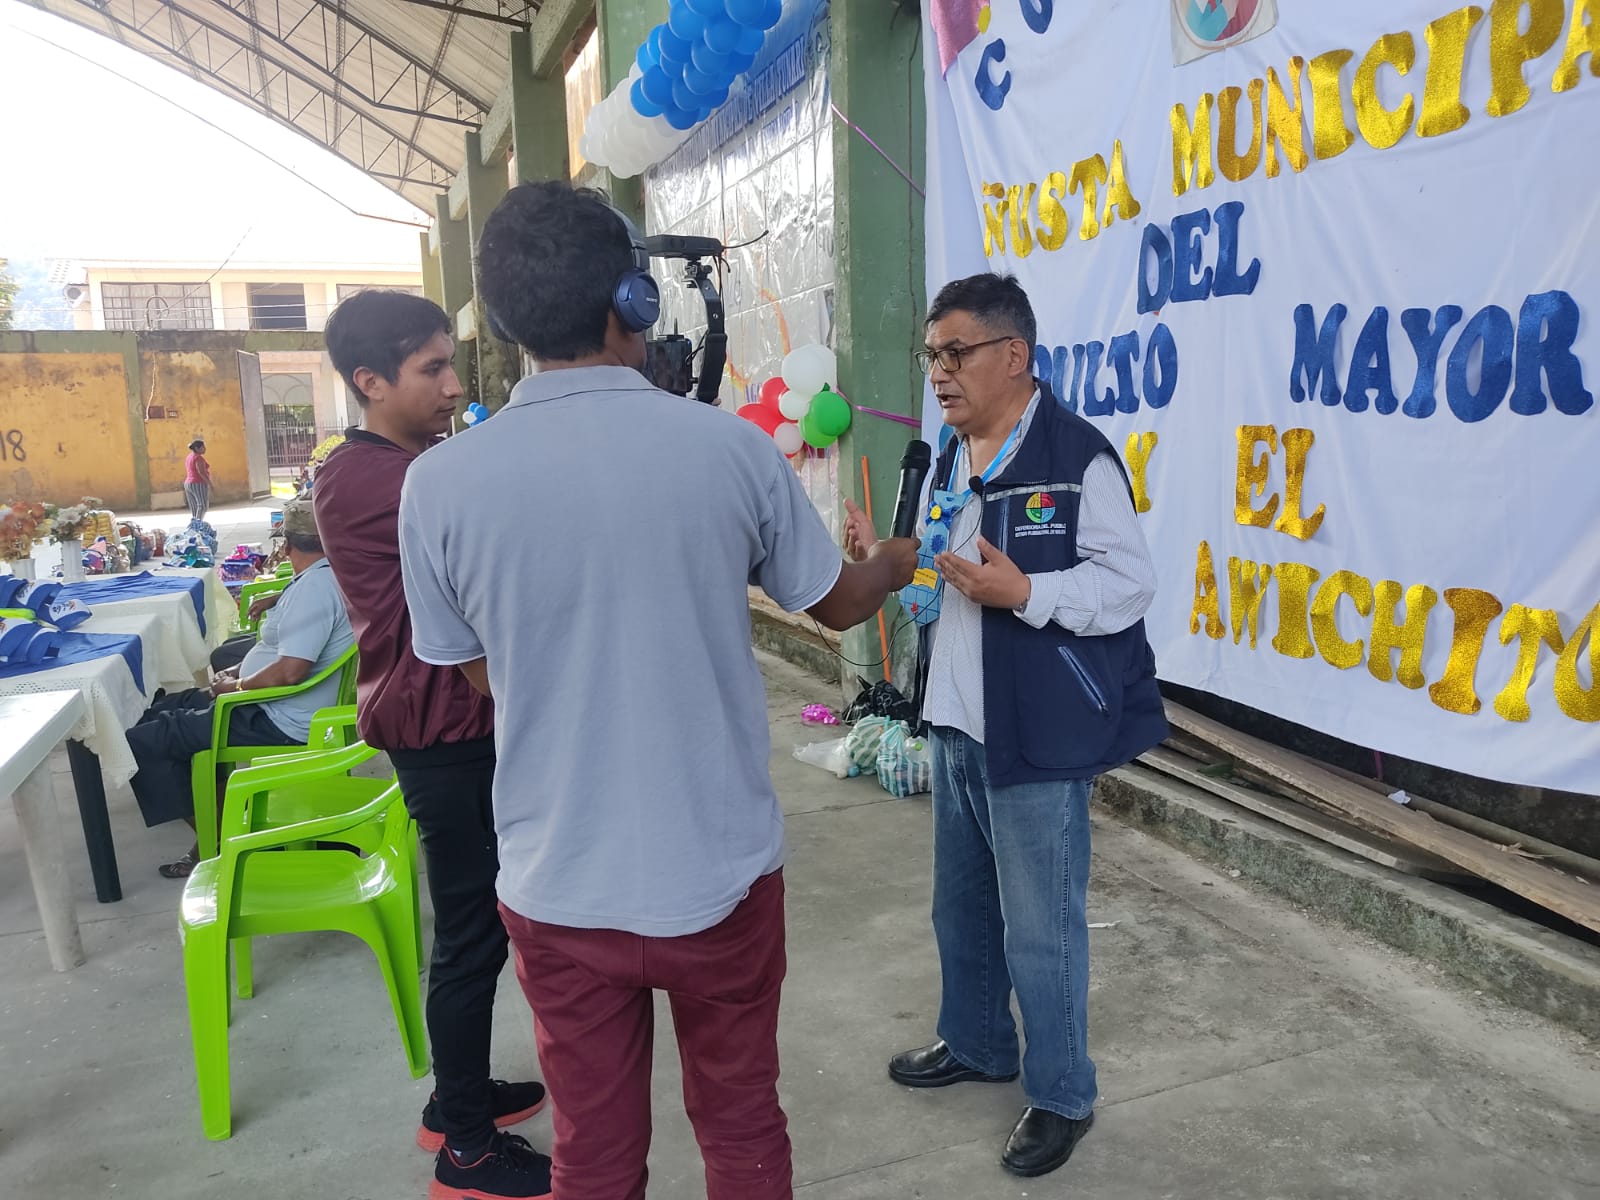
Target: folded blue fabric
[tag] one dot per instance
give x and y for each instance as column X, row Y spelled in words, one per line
column 26, row 647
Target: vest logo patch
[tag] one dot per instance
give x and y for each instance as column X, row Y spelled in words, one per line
column 1041, row 509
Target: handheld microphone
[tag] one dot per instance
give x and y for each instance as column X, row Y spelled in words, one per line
column 913, row 474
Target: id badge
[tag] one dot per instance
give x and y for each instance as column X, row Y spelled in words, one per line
column 921, row 596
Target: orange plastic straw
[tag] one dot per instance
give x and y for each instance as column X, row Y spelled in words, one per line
column 866, row 495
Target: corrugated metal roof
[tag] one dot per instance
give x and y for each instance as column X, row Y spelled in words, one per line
column 388, row 85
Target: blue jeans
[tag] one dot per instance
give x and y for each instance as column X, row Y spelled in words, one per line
column 1010, row 877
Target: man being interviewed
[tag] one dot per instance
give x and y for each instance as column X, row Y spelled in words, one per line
column 395, row 353
column 586, row 556
column 1039, row 679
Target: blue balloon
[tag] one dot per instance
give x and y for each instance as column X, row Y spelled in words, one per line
column 672, row 48
column 706, row 8
column 722, row 36
column 653, row 40
column 715, row 100
column 703, row 85
column 684, row 98
column 738, row 64
column 772, row 15
column 642, row 104
column 747, row 12
column 751, row 41
column 708, row 60
column 679, row 119
column 685, row 22
column 656, row 87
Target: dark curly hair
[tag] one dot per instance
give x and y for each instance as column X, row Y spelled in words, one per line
column 548, row 265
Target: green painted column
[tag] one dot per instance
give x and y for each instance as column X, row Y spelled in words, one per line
column 879, row 299
column 453, row 249
column 623, row 25
column 499, row 365
column 538, row 116
column 432, row 279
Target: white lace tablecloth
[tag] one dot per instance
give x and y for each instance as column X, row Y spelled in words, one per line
column 168, row 655
column 112, row 705
column 180, row 649
column 221, row 608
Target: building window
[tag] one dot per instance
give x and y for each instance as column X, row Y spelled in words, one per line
column 277, row 305
column 140, row 306
column 346, row 290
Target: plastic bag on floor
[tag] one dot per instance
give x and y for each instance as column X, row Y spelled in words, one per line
column 830, row 756
column 863, row 741
column 905, row 763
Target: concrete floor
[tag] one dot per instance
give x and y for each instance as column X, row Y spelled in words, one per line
column 1245, row 1051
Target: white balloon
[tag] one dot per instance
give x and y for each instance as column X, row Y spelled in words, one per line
column 807, row 368
column 795, row 405
column 788, row 438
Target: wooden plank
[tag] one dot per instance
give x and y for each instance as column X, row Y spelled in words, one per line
column 1297, row 817
column 1564, row 894
column 1575, row 861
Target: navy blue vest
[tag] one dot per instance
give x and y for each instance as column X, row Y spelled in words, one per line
column 1056, row 705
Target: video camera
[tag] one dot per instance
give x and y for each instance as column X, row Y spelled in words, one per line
column 669, row 362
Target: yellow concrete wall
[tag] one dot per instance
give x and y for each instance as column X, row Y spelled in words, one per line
column 69, row 414
column 198, row 393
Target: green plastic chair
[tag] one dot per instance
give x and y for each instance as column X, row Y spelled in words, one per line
column 244, row 893
column 308, row 800
column 203, row 767
column 262, row 586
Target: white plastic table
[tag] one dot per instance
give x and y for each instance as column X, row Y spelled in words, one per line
column 31, row 727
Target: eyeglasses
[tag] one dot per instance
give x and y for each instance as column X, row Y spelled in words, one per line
column 949, row 359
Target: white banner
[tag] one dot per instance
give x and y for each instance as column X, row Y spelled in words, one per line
column 1333, row 291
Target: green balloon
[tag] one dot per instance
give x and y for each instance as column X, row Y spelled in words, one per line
column 830, row 411
column 813, row 435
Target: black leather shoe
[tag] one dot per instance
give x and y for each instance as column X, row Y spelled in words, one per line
column 934, row 1066
column 1042, row 1141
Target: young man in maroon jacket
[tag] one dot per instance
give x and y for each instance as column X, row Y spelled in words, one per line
column 395, row 353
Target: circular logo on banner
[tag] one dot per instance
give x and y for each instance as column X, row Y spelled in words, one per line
column 1215, row 22
column 1040, row 508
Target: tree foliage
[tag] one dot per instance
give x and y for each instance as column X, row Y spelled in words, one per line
column 8, row 294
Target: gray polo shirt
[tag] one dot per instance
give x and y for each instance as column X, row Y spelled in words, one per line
column 308, row 621
column 594, row 541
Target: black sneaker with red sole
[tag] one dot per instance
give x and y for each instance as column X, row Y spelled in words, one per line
column 513, row 1104
column 510, row 1169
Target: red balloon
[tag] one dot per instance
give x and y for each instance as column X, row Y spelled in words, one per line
column 766, row 419
column 771, row 392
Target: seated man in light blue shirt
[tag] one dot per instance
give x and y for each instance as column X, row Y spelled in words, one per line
column 301, row 636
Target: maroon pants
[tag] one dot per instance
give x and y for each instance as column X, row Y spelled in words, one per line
column 590, row 990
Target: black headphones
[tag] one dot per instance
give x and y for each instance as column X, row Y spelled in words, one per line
column 637, row 297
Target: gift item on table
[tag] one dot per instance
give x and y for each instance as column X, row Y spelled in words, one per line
column 193, row 546
column 143, row 543
column 244, row 564
column 46, row 604
column 114, row 558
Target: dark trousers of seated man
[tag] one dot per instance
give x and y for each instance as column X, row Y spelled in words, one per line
column 172, row 731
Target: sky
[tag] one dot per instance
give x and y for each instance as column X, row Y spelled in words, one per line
column 94, row 167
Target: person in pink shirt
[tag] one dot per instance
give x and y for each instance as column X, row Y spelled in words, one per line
column 197, row 480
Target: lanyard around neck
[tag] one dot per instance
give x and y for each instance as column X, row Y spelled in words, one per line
column 966, row 494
